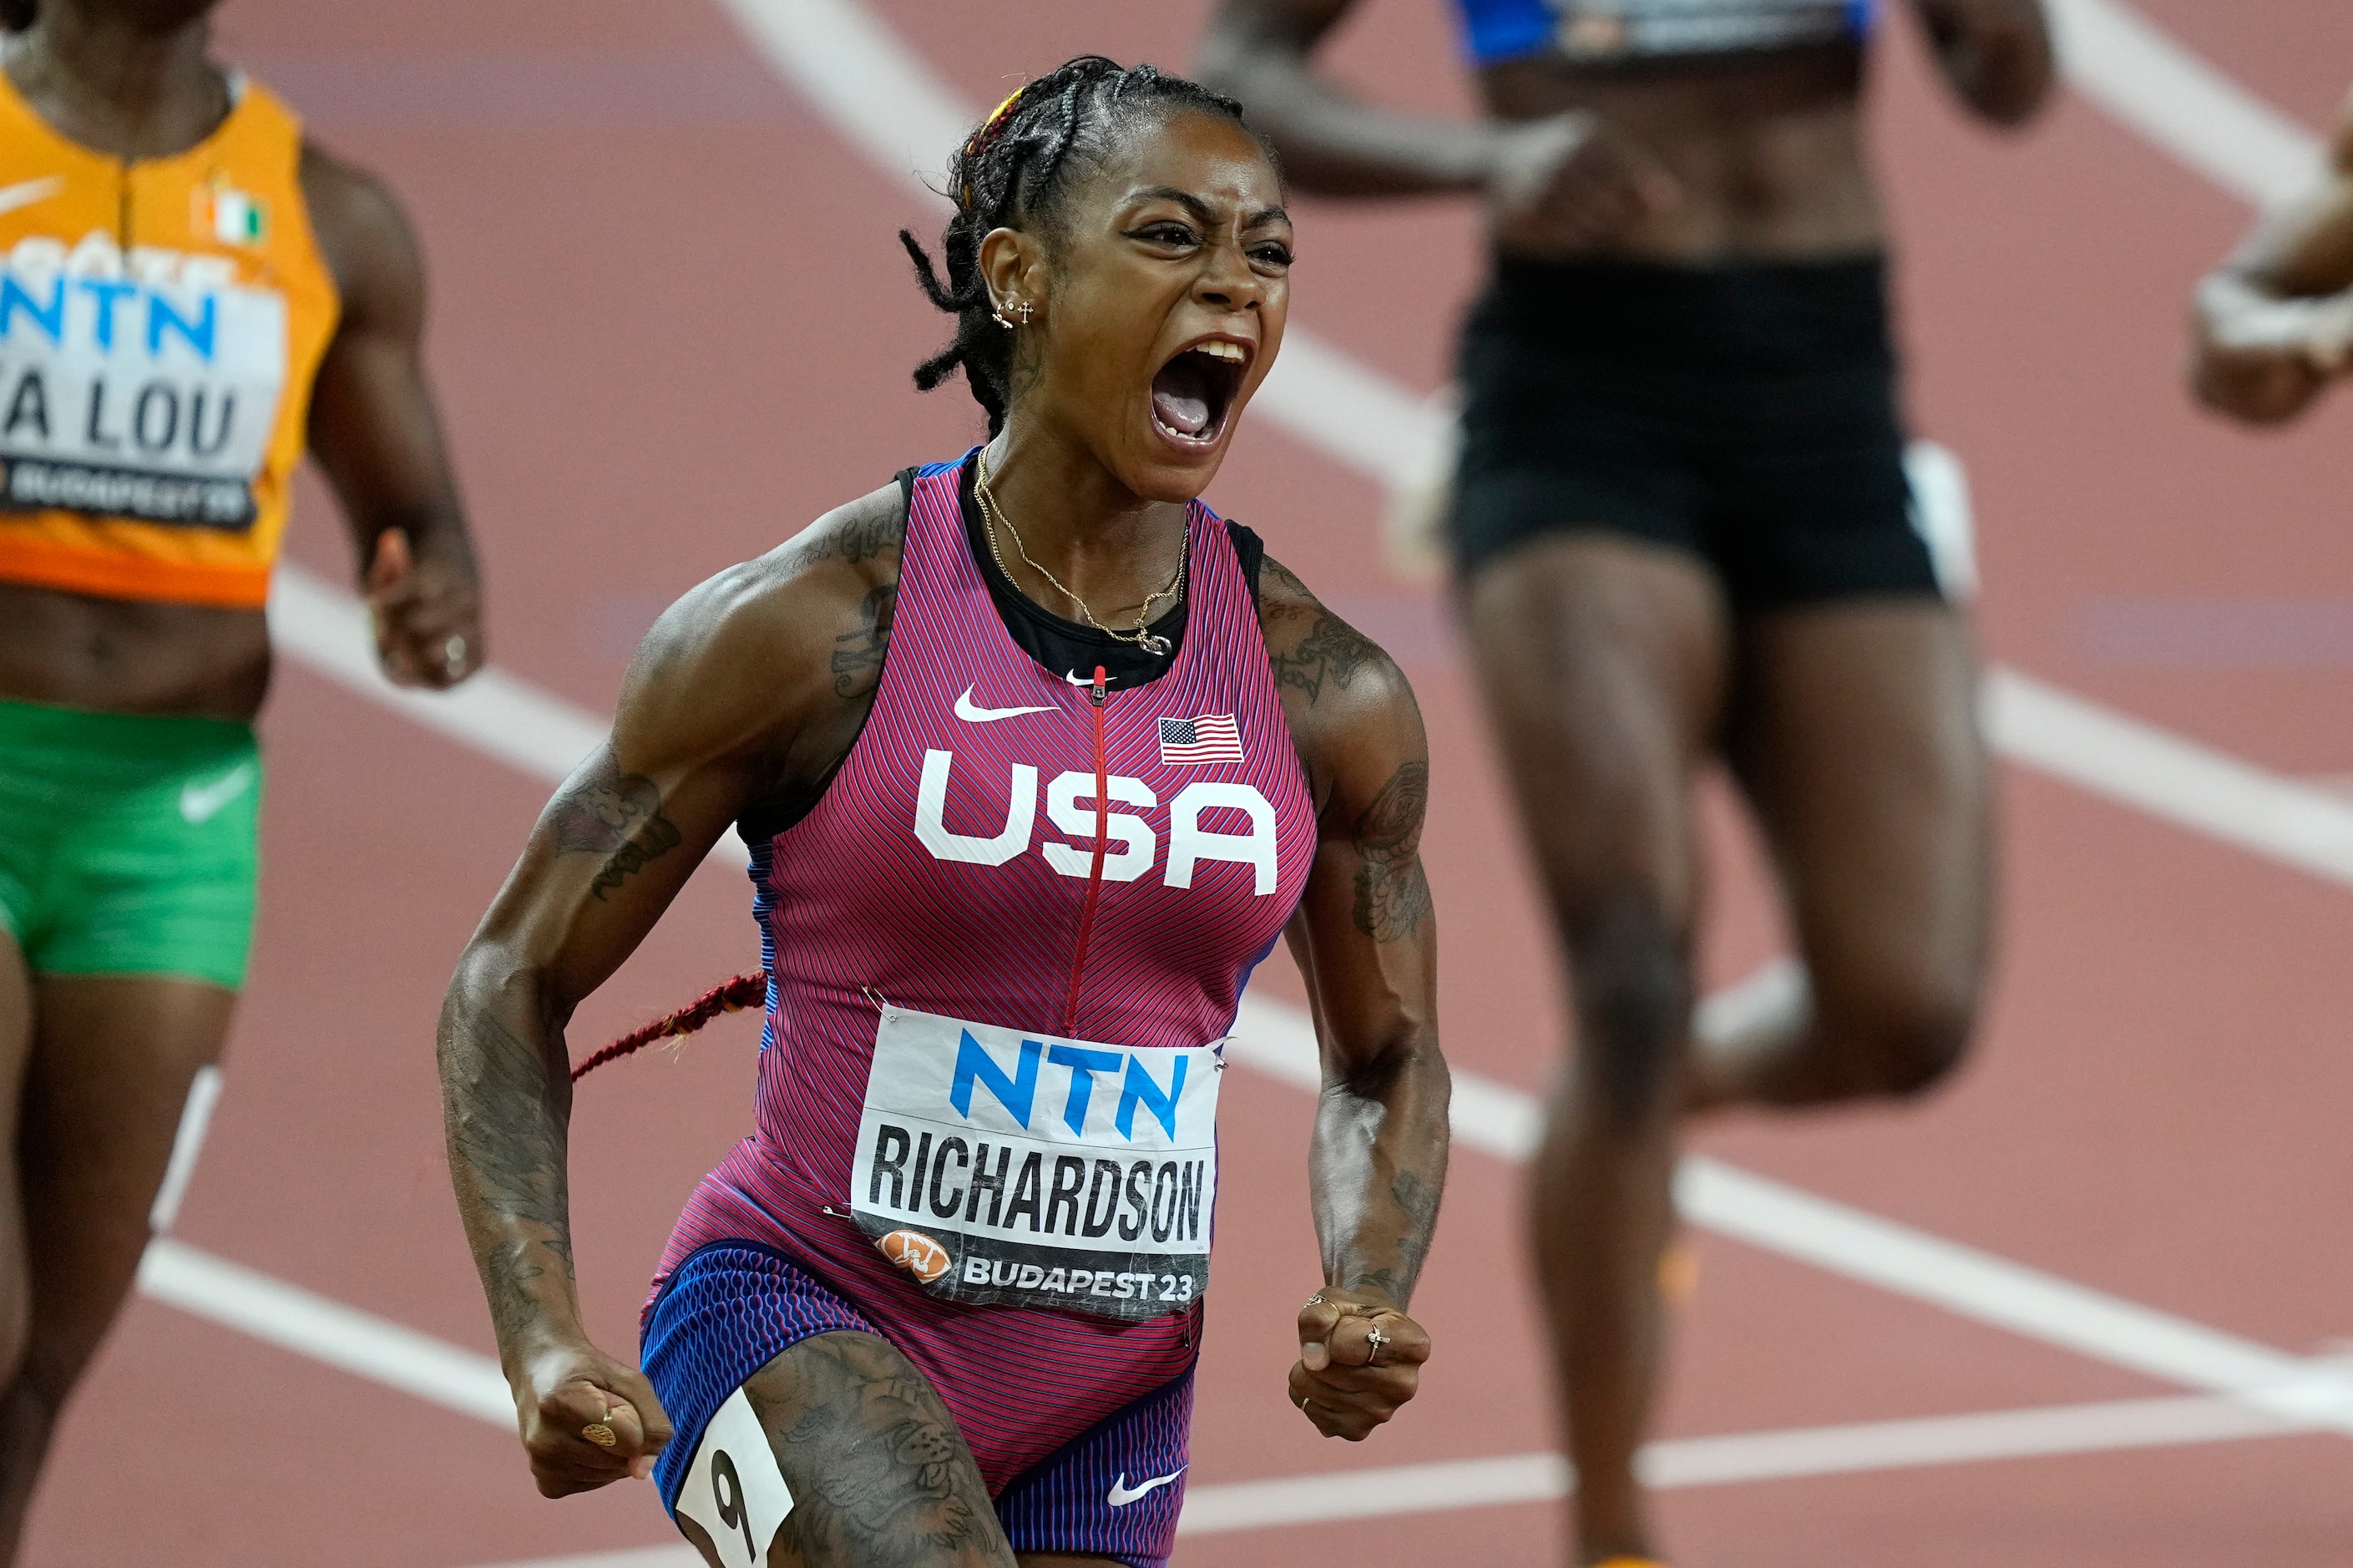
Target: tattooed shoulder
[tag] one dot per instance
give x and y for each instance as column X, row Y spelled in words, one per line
column 872, row 527
column 1308, row 647
column 616, row 815
column 858, row 653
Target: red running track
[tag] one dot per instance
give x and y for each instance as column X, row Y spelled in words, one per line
column 672, row 325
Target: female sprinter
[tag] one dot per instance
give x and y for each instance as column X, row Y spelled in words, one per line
column 1681, row 531
column 1038, row 757
column 187, row 290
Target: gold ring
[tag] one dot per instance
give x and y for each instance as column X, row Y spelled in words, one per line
column 596, row 1432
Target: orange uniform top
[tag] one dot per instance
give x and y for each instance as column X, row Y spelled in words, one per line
column 161, row 320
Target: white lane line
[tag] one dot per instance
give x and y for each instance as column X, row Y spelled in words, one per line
column 533, row 732
column 1858, row 1448
column 188, row 1145
column 2194, row 786
column 642, row 1557
column 310, row 1324
column 2118, row 59
column 1280, row 1042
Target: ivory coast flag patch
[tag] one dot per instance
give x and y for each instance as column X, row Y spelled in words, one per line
column 229, row 214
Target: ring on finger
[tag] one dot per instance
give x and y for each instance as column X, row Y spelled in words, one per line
column 1375, row 1340
column 599, row 1433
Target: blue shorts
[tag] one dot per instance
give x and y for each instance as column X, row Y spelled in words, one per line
column 731, row 1308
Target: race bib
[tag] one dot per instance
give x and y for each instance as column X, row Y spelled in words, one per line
column 145, row 386
column 999, row 1166
column 734, row 1489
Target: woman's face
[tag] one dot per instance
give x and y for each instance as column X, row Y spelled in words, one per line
column 1161, row 303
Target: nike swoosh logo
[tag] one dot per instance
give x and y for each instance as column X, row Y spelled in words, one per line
column 201, row 803
column 25, row 192
column 970, row 714
column 1121, row 1495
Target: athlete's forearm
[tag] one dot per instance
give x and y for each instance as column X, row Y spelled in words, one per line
column 506, row 1096
column 1332, row 143
column 1378, row 1165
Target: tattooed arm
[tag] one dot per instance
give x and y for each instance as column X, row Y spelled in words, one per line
column 1367, row 941
column 750, row 687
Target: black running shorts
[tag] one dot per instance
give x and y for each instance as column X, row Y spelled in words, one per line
column 1745, row 414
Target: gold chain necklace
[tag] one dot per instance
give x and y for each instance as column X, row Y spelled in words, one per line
column 994, row 516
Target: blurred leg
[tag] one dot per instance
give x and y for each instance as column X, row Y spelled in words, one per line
column 15, row 1045
column 109, row 1072
column 1603, row 665
column 1854, row 733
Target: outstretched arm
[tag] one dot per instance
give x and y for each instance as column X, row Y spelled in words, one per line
column 2275, row 323
column 752, row 683
column 1996, row 54
column 1332, row 143
column 1552, row 184
column 1367, row 941
column 376, row 434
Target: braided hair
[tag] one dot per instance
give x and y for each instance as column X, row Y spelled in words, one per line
column 1014, row 171
column 734, row 995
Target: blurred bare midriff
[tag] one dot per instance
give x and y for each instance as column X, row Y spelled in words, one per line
column 131, row 656
column 1767, row 149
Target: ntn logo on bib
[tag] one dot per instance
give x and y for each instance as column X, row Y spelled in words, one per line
column 152, row 397
column 1052, row 1172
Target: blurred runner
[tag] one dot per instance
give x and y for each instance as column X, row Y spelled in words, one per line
column 190, row 289
column 2275, row 324
column 1038, row 758
column 1681, row 531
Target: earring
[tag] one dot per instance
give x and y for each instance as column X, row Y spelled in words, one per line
column 1025, row 312
column 996, row 312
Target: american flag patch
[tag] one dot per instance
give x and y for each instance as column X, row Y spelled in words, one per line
column 1190, row 742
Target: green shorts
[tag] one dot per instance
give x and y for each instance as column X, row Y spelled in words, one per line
column 129, row 845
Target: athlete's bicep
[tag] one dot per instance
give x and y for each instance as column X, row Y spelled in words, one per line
column 1364, row 934
column 610, row 852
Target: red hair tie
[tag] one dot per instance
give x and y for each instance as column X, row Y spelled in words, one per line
column 743, row 991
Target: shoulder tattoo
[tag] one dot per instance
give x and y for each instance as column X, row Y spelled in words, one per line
column 858, row 653
column 878, row 533
column 1332, row 650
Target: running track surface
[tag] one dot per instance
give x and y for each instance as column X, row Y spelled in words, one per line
column 672, row 325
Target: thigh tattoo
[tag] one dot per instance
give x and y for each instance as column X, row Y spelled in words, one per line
column 880, row 1474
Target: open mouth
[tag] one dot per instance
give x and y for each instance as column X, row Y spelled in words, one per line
column 1195, row 391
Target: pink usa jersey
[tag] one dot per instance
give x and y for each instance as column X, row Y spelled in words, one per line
column 1003, row 950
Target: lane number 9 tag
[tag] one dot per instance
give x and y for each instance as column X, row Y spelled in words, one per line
column 734, row 1489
